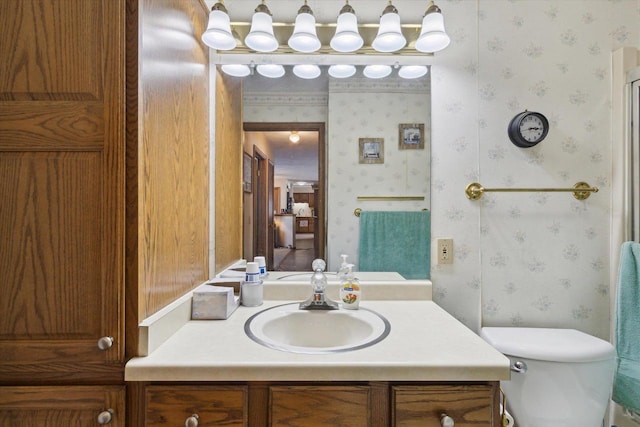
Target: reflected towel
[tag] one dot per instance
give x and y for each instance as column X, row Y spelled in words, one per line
column 626, row 385
column 395, row 241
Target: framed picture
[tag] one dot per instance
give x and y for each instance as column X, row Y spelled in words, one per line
column 371, row 150
column 246, row 172
column 411, row 136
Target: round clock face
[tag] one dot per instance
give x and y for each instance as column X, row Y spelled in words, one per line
column 528, row 129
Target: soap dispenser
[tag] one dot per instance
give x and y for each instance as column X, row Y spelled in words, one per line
column 344, row 269
column 350, row 290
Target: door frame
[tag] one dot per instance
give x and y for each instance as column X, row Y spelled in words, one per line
column 321, row 209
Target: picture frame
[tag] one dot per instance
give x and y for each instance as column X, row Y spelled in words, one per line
column 411, row 136
column 371, row 150
column 247, row 172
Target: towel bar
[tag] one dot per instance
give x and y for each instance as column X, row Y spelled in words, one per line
column 358, row 211
column 581, row 190
column 389, row 198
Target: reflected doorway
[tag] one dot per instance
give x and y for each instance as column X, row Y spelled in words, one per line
column 298, row 199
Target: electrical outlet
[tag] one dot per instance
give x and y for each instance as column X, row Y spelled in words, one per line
column 445, row 251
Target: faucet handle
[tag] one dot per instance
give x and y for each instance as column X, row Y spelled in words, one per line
column 318, row 264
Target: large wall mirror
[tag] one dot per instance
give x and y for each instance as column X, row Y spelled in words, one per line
column 374, row 135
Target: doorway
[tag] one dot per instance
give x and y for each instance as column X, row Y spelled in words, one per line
column 307, row 226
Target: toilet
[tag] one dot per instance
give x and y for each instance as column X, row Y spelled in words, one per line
column 559, row 378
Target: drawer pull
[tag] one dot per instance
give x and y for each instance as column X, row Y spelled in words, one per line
column 105, row 343
column 192, row 421
column 105, row 417
column 446, row 421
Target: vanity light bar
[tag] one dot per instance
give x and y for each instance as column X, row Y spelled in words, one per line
column 301, row 59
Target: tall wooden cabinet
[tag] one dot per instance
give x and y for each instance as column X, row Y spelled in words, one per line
column 103, row 194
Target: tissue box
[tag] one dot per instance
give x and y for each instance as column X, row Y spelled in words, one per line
column 215, row 299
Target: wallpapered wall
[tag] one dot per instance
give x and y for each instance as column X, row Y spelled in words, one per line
column 535, row 259
column 365, row 108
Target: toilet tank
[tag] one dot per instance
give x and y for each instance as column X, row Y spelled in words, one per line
column 568, row 378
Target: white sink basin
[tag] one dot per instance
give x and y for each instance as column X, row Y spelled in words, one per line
column 287, row 328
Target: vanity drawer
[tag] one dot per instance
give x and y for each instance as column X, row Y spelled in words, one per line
column 211, row 405
column 309, row 406
column 422, row 406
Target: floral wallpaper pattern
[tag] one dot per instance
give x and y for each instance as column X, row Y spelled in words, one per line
column 531, row 259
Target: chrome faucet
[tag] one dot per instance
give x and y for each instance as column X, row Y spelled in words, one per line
column 318, row 300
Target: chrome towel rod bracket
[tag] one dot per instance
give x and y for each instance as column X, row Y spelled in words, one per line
column 581, row 190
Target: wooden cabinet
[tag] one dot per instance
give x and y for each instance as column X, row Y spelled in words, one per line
column 318, row 404
column 95, row 150
column 62, row 177
column 422, row 406
column 77, row 406
column 305, row 224
column 305, row 198
column 209, row 405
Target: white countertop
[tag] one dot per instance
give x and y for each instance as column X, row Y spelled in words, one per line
column 425, row 344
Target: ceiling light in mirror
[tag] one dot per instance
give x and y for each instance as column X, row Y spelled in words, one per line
column 390, row 37
column 347, row 37
column 294, row 137
column 304, row 38
column 236, row 70
column 340, row 71
column 412, row 71
column 273, row 71
column 260, row 37
column 218, row 35
column 306, row 71
column 376, row 71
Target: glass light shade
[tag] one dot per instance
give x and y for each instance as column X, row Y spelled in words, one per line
column 218, row 35
column 273, row 71
column 304, row 38
column 412, row 71
column 433, row 37
column 306, row 71
column 390, row 37
column 347, row 38
column 294, row 137
column 236, row 70
column 260, row 37
column 341, row 71
column 376, row 71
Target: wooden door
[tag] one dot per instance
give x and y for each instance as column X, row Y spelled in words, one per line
column 62, row 90
column 270, row 216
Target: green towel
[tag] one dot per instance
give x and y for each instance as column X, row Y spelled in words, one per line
column 395, row 241
column 626, row 385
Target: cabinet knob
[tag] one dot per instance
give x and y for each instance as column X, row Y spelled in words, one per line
column 192, row 421
column 105, row 417
column 446, row 421
column 105, row 343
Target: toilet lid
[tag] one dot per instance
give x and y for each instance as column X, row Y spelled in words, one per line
column 553, row 345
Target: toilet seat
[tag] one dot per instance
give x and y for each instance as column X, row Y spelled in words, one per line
column 548, row 344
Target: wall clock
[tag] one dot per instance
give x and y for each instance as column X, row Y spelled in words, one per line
column 528, row 129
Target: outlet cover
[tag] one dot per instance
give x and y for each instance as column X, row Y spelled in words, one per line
column 445, row 251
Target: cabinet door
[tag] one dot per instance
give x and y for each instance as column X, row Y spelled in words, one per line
column 57, row 406
column 422, row 406
column 321, row 406
column 62, row 174
column 210, row 405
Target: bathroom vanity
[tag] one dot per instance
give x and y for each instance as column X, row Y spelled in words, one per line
column 212, row 373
